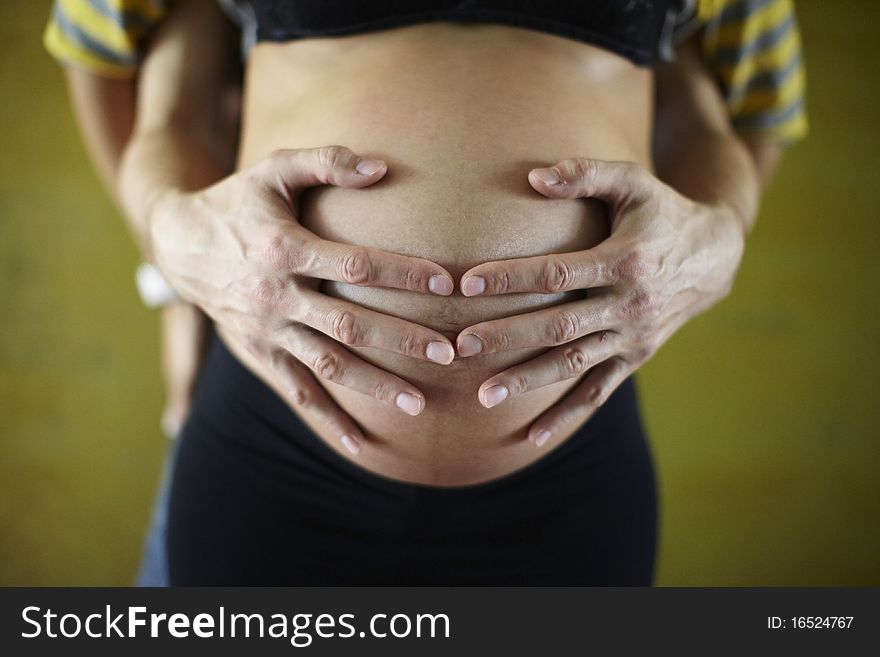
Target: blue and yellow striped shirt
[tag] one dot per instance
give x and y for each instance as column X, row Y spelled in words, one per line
column 102, row 36
column 752, row 48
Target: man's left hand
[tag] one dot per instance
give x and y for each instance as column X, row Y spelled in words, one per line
column 667, row 259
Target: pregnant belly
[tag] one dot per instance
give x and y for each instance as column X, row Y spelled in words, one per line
column 457, row 193
column 434, row 215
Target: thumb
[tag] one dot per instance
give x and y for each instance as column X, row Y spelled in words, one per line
column 298, row 169
column 612, row 182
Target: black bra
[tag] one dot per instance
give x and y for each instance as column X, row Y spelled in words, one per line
column 633, row 29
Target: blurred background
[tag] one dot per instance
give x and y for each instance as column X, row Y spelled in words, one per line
column 763, row 413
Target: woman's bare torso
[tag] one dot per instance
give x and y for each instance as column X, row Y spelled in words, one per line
column 460, row 113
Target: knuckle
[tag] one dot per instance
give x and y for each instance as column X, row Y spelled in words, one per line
column 497, row 340
column 556, row 275
column 277, row 254
column 328, row 366
column 564, row 327
column 642, row 306
column 409, row 344
column 595, row 395
column 356, row 267
column 564, row 418
column 583, row 169
column 334, row 156
column 635, row 266
column 575, row 362
column 264, row 294
column 383, row 391
column 518, row 383
column 497, row 281
column 300, row 397
column 344, row 327
column 412, row 279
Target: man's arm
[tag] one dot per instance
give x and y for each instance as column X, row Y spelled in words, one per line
column 231, row 242
column 676, row 243
column 766, row 153
column 179, row 139
column 696, row 149
column 752, row 51
column 104, row 110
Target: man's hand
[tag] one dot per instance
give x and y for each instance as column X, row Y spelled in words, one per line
column 668, row 258
column 237, row 251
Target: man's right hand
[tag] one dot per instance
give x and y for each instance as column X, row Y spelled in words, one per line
column 237, row 250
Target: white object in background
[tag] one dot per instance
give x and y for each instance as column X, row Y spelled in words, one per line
column 152, row 286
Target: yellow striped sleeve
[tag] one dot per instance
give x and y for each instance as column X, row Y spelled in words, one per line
column 102, row 36
column 753, row 48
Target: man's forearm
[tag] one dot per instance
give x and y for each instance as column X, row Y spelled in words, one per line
column 104, row 111
column 696, row 150
column 766, row 153
column 161, row 158
column 717, row 170
column 181, row 140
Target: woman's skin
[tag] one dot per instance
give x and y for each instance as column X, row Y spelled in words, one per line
column 459, row 145
column 459, row 141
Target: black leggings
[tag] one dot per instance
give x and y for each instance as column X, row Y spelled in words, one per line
column 258, row 499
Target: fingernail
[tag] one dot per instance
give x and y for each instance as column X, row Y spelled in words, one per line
column 469, row 344
column 440, row 352
column 542, row 438
column 368, row 167
column 408, row 403
column 440, row 284
column 495, row 395
column 351, row 443
column 547, row 176
column 473, row 286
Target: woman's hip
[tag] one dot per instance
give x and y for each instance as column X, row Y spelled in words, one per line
column 257, row 498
